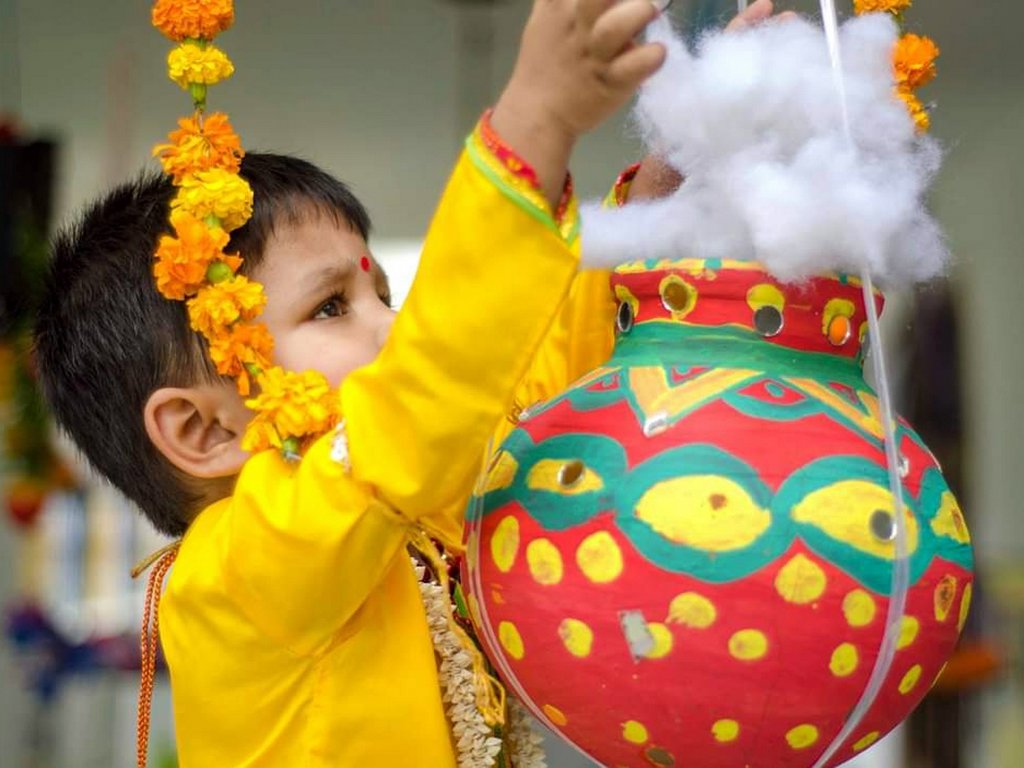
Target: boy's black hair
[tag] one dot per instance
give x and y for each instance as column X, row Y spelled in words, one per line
column 106, row 339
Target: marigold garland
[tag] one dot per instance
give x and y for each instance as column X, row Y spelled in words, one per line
column 197, row 64
column 198, row 19
column 289, row 407
column 203, row 158
column 183, row 259
column 881, row 6
column 913, row 59
column 221, row 194
column 201, row 145
column 242, row 352
column 219, row 306
column 917, row 109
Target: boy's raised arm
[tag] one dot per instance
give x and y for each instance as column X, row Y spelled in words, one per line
column 495, row 268
column 494, row 275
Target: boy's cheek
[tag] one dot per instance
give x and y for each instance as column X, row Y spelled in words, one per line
column 334, row 358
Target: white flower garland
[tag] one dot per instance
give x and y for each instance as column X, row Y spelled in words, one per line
column 475, row 742
column 524, row 742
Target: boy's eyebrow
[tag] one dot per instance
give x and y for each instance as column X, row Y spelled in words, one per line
column 328, row 277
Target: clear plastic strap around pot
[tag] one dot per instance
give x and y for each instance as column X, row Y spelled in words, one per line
column 900, row 568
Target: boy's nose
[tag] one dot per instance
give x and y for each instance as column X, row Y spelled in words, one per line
column 384, row 328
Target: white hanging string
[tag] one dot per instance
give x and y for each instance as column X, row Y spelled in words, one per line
column 900, row 566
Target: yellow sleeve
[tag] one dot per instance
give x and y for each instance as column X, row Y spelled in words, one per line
column 309, row 542
column 494, row 271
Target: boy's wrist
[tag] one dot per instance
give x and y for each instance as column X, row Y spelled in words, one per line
column 505, row 153
column 514, row 173
column 537, row 134
column 528, row 103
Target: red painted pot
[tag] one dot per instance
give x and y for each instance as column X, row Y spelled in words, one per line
column 686, row 558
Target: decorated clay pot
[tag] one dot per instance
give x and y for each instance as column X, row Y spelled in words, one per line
column 686, row 559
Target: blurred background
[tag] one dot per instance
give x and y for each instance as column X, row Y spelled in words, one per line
column 381, row 93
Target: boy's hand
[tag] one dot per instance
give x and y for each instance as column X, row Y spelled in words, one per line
column 578, row 63
column 756, row 12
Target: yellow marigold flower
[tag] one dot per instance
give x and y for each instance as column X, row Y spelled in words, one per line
column 224, row 195
column 181, row 19
column 881, row 6
column 243, row 344
column 917, row 110
column 259, row 436
column 217, row 307
column 914, row 61
column 294, row 404
column 190, row 64
column 201, row 144
column 182, row 259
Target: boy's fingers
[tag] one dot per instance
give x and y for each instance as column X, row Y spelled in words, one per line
column 589, row 11
column 617, row 27
column 636, row 65
column 757, row 12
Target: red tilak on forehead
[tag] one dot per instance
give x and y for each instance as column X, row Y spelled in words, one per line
column 364, row 264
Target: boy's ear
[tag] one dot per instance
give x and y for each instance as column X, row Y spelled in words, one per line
column 199, row 429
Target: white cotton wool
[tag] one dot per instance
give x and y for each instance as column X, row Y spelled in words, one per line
column 754, row 121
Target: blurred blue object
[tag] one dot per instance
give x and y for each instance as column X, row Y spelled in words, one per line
column 49, row 658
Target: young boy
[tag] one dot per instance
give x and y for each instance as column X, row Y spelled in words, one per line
column 292, row 622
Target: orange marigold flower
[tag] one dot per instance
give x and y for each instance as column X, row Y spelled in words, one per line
column 182, row 259
column 917, row 110
column 881, row 6
column 216, row 192
column 182, row 19
column 293, row 404
column 201, row 144
column 217, row 307
column 191, row 64
column 914, row 61
column 243, row 344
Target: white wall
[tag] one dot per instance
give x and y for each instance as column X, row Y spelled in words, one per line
column 366, row 89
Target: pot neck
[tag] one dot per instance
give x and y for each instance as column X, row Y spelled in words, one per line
column 724, row 309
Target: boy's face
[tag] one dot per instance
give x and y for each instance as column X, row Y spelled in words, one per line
column 327, row 299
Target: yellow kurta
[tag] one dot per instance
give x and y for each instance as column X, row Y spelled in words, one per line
column 292, row 621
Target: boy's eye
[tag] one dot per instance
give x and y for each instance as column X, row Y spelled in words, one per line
column 333, row 307
column 385, row 297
